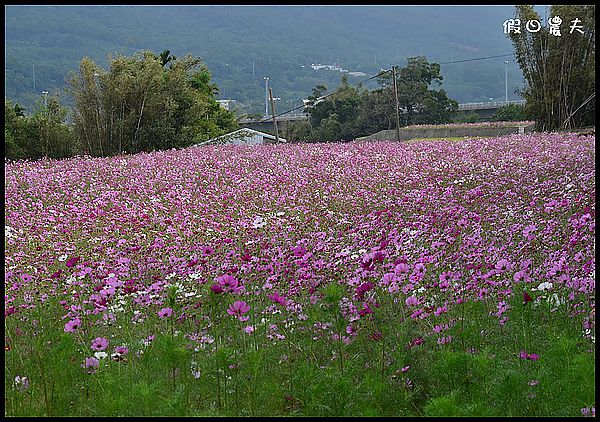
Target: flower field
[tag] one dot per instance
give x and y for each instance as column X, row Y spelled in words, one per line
column 368, row 278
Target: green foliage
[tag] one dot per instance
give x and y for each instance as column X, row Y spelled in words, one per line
column 350, row 112
column 510, row 113
column 232, row 43
column 44, row 134
column 140, row 104
column 559, row 71
column 466, row 118
column 478, row 374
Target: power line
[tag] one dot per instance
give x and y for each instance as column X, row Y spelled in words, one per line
column 382, row 72
column 479, row 58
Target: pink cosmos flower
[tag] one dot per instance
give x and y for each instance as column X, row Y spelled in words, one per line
column 388, row 278
column 502, row 265
column 72, row 325
column 277, row 298
column 531, row 356
column 363, row 288
column 99, row 344
column 238, row 309
column 90, row 365
column 72, row 261
column 401, row 268
column 229, row 283
column 446, row 277
column 165, row 312
column 121, row 350
column 586, row 411
column 216, row 289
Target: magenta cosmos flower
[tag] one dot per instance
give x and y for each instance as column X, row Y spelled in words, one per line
column 90, row 365
column 121, row 350
column 99, row 344
column 72, row 325
column 238, row 309
column 165, row 312
column 229, row 283
column 530, row 356
column 277, row 298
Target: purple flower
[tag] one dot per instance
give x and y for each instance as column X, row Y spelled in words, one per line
column 99, row 344
column 216, row 289
column 502, row 265
column 363, row 288
column 72, row 325
column 72, row 261
column 165, row 312
column 530, row 356
column 277, row 298
column 121, row 350
column 229, row 283
column 90, row 365
column 238, row 309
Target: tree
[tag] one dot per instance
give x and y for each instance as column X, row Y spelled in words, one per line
column 350, row 112
column 559, row 71
column 44, row 134
column 419, row 103
column 510, row 113
column 139, row 104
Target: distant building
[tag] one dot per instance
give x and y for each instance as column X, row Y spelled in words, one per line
column 244, row 136
column 227, row 104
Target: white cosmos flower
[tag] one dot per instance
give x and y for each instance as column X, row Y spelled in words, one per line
column 258, row 222
column 544, row 286
column 100, row 355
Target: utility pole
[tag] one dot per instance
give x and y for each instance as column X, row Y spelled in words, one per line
column 506, row 81
column 397, row 103
column 274, row 119
column 45, row 93
column 266, row 78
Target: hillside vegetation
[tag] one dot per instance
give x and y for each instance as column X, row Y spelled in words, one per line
column 242, row 44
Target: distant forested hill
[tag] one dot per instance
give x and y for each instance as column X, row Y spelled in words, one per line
column 242, row 44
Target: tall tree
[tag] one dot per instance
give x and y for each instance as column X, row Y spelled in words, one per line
column 43, row 134
column 418, row 102
column 559, row 70
column 141, row 105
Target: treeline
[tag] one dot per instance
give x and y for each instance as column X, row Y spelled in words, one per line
column 43, row 134
column 559, row 71
column 142, row 103
column 353, row 111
